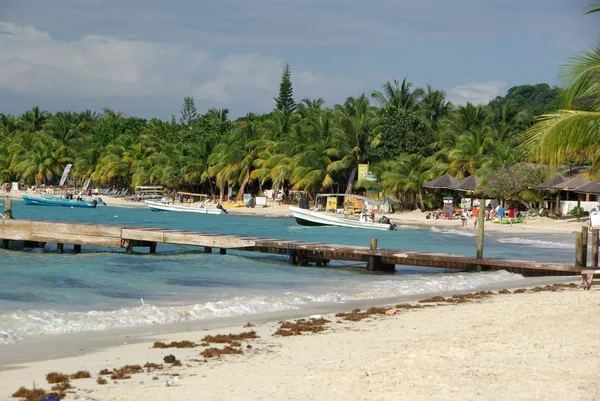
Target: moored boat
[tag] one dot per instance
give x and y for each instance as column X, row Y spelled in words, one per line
column 201, row 208
column 332, row 215
column 49, row 200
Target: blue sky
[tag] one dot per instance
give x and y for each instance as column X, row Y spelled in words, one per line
column 143, row 56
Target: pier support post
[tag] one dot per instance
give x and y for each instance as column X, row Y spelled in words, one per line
column 60, row 248
column 76, row 248
column 8, row 208
column 584, row 244
column 578, row 246
column 595, row 244
column 5, row 244
column 373, row 244
column 129, row 247
column 207, row 249
column 153, row 247
column 480, row 228
column 223, row 251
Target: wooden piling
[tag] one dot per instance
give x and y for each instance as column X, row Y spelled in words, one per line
column 207, row 249
column 595, row 244
column 8, row 208
column 60, row 248
column 5, row 244
column 76, row 248
column 223, row 251
column 584, row 245
column 480, row 228
column 152, row 248
column 373, row 244
column 578, row 246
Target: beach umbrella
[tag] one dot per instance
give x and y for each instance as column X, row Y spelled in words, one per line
column 468, row 184
column 444, row 182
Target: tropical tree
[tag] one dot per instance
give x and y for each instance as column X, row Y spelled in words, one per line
column 570, row 133
column 398, row 95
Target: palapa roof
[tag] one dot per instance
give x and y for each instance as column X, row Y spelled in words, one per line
column 444, row 182
column 572, row 183
column 468, row 184
column 550, row 183
column 589, row 188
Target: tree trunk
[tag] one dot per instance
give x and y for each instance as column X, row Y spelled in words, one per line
column 240, row 194
column 421, row 200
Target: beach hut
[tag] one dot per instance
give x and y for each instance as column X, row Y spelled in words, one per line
column 547, row 186
column 570, row 185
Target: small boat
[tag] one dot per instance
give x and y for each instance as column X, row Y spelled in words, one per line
column 331, row 215
column 186, row 204
column 193, row 208
column 49, row 200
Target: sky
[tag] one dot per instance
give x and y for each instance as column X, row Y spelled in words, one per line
column 143, row 57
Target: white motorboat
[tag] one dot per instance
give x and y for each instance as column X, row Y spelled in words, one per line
column 192, row 208
column 332, row 216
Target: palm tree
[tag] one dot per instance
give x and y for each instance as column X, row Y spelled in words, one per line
column 406, row 173
column 33, row 120
column 398, row 95
column 570, row 133
column 470, row 151
column 435, row 107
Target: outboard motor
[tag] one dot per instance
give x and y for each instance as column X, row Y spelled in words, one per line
column 303, row 203
column 219, row 206
column 94, row 202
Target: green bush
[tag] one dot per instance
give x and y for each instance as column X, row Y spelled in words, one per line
column 574, row 212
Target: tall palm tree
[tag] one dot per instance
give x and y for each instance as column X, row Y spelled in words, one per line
column 33, row 120
column 398, row 95
column 570, row 133
column 435, row 107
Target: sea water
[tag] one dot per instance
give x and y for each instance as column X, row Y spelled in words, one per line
column 43, row 293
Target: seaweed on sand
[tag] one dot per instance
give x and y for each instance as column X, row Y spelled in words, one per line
column 55, row 377
column 125, row 372
column 215, row 352
column 356, row 315
column 230, row 338
column 30, row 395
column 175, row 344
column 300, row 326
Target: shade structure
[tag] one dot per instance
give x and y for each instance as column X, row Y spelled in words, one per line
column 444, row 182
column 468, row 184
column 589, row 188
column 550, row 183
column 571, row 184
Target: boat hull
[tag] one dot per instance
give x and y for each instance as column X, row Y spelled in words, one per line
column 163, row 207
column 306, row 217
column 55, row 201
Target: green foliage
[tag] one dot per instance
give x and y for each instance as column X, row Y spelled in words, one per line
column 401, row 132
column 533, row 99
column 578, row 211
column 188, row 111
column 510, row 182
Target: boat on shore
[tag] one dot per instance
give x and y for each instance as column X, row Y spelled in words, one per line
column 49, row 200
column 344, row 217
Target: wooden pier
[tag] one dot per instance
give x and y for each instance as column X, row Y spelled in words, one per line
column 38, row 233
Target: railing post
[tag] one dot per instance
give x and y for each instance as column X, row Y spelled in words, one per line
column 8, row 208
column 480, row 228
column 584, row 244
column 373, row 244
column 595, row 244
column 578, row 245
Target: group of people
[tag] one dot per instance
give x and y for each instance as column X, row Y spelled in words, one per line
column 490, row 214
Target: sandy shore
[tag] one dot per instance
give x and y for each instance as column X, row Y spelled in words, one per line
column 412, row 218
column 531, row 346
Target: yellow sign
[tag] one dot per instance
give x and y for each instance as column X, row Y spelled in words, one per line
column 331, row 203
column 363, row 171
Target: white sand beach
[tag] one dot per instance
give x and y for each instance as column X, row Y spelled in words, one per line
column 531, row 346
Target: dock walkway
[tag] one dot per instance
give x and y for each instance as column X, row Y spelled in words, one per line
column 38, row 233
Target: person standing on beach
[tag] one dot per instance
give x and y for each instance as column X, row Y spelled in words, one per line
column 511, row 215
column 500, row 213
column 463, row 219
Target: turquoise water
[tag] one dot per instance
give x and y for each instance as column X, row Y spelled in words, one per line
column 44, row 293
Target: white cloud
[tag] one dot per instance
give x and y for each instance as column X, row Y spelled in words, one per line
column 33, row 62
column 476, row 92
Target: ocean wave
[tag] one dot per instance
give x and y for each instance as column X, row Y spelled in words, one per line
column 19, row 325
column 536, row 243
column 453, row 232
